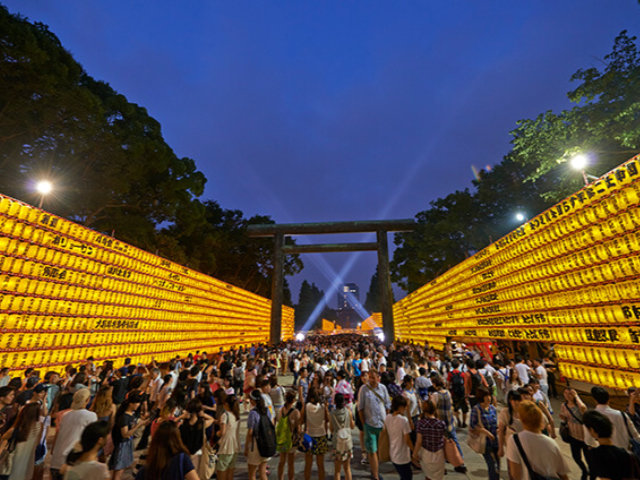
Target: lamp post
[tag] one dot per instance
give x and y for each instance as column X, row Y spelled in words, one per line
column 580, row 162
column 43, row 187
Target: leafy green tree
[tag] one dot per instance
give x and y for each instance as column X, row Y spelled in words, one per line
column 309, row 298
column 604, row 124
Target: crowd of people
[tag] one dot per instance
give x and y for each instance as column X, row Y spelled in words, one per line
column 405, row 402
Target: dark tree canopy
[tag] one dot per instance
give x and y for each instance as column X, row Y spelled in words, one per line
column 110, row 165
column 372, row 301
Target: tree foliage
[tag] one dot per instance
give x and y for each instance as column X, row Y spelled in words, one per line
column 110, row 165
column 372, row 300
column 308, row 300
column 604, row 124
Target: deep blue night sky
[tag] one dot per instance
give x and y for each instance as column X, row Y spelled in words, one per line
column 337, row 110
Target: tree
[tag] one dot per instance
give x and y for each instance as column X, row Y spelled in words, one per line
column 372, row 301
column 308, row 300
column 605, row 123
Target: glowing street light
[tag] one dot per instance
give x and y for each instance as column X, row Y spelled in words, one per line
column 580, row 162
column 300, row 337
column 43, row 187
column 520, row 217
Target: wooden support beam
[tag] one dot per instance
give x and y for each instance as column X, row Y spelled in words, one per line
column 277, row 290
column 330, row 247
column 386, row 294
column 269, row 230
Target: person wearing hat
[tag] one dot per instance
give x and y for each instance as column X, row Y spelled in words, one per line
column 70, row 430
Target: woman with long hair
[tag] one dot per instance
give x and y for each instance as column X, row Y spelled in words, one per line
column 23, row 437
column 167, row 457
column 315, row 419
column 193, row 427
column 287, row 455
column 124, row 428
column 513, row 382
column 103, row 405
column 228, row 445
column 254, row 459
column 84, row 463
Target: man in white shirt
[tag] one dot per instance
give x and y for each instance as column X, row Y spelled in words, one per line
column 622, row 425
column 366, row 363
column 70, row 430
column 155, row 384
column 523, row 370
column 542, row 375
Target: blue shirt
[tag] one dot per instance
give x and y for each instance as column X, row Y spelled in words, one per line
column 374, row 403
column 356, row 367
column 489, row 421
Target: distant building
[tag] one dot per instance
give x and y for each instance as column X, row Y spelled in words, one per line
column 347, row 290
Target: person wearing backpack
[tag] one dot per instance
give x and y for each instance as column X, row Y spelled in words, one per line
column 260, row 443
column 315, row 418
column 458, row 396
column 473, row 380
column 341, row 425
column 287, row 434
column 532, row 455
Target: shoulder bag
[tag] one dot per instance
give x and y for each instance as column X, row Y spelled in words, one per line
column 478, row 441
column 532, row 474
column 634, row 445
column 207, row 466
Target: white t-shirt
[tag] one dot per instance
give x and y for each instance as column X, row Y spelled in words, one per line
column 88, row 471
column 69, row 432
column 542, row 375
column 397, row 427
column 364, row 365
column 523, row 372
column 542, row 452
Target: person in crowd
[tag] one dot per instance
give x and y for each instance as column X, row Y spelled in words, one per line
column 193, row 429
column 359, row 383
column 276, row 392
column 530, row 449
column 126, row 424
column 84, row 464
column 228, row 445
column 524, row 371
column 514, row 382
column 8, row 408
column 4, row 377
column 315, row 420
column 429, row 446
column 399, row 430
column 551, row 369
column 473, row 381
column 303, row 384
column 341, row 425
column 608, row 461
column 458, row 395
column 255, row 461
column 444, row 411
column 373, row 403
column 344, row 387
column 167, row 457
column 508, row 422
column 166, row 414
column 571, row 413
column 484, row 421
column 623, row 428
column 422, row 383
column 400, row 371
column 23, row 438
column 412, row 412
column 103, row 405
column 287, row 442
column 328, row 390
column 633, row 410
column 70, row 429
column 250, row 374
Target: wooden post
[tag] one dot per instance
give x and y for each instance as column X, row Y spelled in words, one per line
column 386, row 295
column 277, row 283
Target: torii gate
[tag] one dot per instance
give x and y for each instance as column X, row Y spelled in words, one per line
column 380, row 227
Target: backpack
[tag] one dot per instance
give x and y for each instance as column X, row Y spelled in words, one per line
column 476, row 382
column 284, row 438
column 489, row 378
column 457, row 384
column 265, row 437
column 344, row 441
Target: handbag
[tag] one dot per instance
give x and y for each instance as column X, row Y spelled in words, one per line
column 532, row 474
column 634, row 444
column 207, row 466
column 8, row 454
column 383, row 446
column 451, row 453
column 564, row 432
column 477, row 441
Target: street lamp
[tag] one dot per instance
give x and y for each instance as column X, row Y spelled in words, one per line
column 43, row 187
column 579, row 162
column 520, row 217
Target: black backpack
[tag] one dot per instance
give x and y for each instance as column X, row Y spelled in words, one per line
column 265, row 436
column 457, row 385
column 476, row 382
